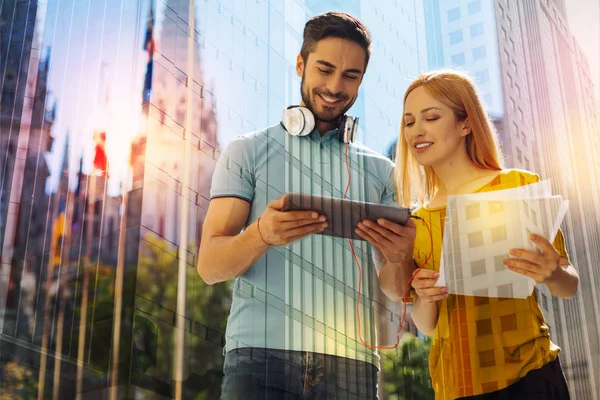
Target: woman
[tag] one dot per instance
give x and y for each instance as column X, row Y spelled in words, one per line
column 483, row 348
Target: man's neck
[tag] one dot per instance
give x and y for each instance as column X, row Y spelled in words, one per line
column 324, row 127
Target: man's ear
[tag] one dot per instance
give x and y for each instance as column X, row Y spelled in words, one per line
column 466, row 128
column 299, row 65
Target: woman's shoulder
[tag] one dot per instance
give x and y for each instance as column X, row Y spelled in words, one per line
column 525, row 175
column 513, row 177
column 425, row 210
column 505, row 179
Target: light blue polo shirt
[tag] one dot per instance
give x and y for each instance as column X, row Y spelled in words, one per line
column 302, row 296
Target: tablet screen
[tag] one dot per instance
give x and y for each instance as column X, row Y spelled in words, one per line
column 342, row 215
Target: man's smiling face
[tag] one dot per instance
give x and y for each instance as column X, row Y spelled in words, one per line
column 331, row 77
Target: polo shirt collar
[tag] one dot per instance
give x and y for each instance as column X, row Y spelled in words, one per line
column 329, row 135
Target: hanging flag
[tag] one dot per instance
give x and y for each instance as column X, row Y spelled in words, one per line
column 100, row 162
column 149, row 46
column 58, row 233
column 79, row 178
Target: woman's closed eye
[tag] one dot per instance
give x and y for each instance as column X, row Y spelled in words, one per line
column 430, row 119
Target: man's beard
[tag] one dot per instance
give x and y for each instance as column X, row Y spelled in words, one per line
column 326, row 115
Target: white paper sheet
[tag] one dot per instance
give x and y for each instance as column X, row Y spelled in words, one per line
column 481, row 228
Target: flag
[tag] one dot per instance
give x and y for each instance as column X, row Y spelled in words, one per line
column 149, row 46
column 58, row 234
column 79, row 178
column 100, row 161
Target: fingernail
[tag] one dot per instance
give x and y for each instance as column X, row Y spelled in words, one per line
column 314, row 215
column 533, row 236
column 436, row 274
column 360, row 225
column 324, row 225
column 322, row 218
column 443, row 290
column 512, row 252
column 380, row 222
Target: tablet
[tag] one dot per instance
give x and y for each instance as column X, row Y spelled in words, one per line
column 342, row 215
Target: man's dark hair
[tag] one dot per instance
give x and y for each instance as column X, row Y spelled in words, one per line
column 335, row 24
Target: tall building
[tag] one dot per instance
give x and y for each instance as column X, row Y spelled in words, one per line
column 399, row 55
column 560, row 7
column 16, row 107
column 88, row 280
column 563, row 115
column 536, row 82
column 461, row 36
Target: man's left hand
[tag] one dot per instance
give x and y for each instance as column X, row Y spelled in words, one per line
column 394, row 241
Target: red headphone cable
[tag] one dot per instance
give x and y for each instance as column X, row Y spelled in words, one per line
column 407, row 285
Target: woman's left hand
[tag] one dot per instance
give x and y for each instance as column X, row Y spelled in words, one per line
column 541, row 266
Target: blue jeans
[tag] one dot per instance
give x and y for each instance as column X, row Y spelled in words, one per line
column 259, row 374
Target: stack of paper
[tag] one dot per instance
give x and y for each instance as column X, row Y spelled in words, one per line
column 481, row 228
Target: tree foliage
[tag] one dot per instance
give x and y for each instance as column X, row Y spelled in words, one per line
column 406, row 372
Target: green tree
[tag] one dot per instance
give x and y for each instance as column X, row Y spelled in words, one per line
column 406, row 371
column 18, row 381
column 207, row 309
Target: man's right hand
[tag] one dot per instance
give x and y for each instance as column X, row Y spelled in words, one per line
column 282, row 227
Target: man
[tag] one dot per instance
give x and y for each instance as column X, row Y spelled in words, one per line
column 293, row 331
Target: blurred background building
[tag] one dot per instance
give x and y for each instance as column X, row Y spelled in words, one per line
column 101, row 211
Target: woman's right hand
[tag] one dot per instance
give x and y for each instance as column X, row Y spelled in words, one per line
column 424, row 282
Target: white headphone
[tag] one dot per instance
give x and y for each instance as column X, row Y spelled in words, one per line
column 300, row 121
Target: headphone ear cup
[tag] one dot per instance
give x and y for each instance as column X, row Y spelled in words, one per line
column 293, row 121
column 347, row 129
column 342, row 129
column 309, row 121
column 351, row 129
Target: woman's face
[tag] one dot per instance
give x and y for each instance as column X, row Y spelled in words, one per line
column 432, row 132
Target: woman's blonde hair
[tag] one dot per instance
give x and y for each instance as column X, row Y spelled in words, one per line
column 458, row 92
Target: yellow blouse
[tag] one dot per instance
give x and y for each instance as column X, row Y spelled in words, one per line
column 483, row 344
